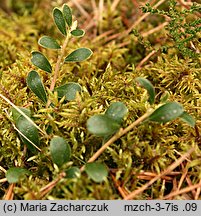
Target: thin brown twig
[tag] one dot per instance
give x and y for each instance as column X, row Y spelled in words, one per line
column 58, row 64
column 3, row 180
column 105, row 34
column 22, row 113
column 188, row 180
column 133, row 194
column 80, row 8
column 137, row 22
column 144, row 34
column 51, row 185
column 196, row 197
column 153, row 52
column 114, row 4
column 174, row 183
column 149, row 177
column 2, row 169
column 119, row 188
column 184, row 190
column 184, row 173
column 153, row 30
column 58, row 67
column 119, row 134
column 100, row 14
column 162, row 190
column 93, row 3
column 9, row 194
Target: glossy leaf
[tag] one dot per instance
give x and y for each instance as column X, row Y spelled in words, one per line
column 16, row 114
column 68, row 90
column 117, row 111
column 60, row 151
column 35, row 84
column 78, row 33
column 148, row 86
column 73, row 172
column 29, row 131
column 167, row 112
column 78, row 55
column 96, row 171
column 102, row 125
column 67, row 13
column 14, row 174
column 164, row 97
column 188, row 119
column 48, row 42
column 40, row 61
column 59, row 21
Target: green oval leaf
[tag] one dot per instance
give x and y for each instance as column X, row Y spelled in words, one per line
column 59, row 20
column 16, row 114
column 35, row 84
column 78, row 55
column 96, row 171
column 40, row 61
column 188, row 119
column 78, row 33
column 14, row 174
column 30, row 133
column 148, row 86
column 117, row 111
column 73, row 172
column 102, row 125
column 48, row 42
column 167, row 112
column 60, row 151
column 68, row 90
column 67, row 15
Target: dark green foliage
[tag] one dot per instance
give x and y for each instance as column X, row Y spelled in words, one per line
column 16, row 114
column 102, row 125
column 96, row 171
column 59, row 21
column 67, row 15
column 188, row 119
column 60, row 151
column 148, row 86
column 78, row 55
column 167, row 112
column 117, row 111
column 48, row 42
column 78, row 33
column 29, row 133
column 73, row 172
column 35, row 84
column 68, row 90
column 14, row 174
column 180, row 29
column 40, row 61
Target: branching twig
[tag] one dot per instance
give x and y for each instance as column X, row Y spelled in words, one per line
column 51, row 185
column 184, row 190
column 119, row 134
column 58, row 67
